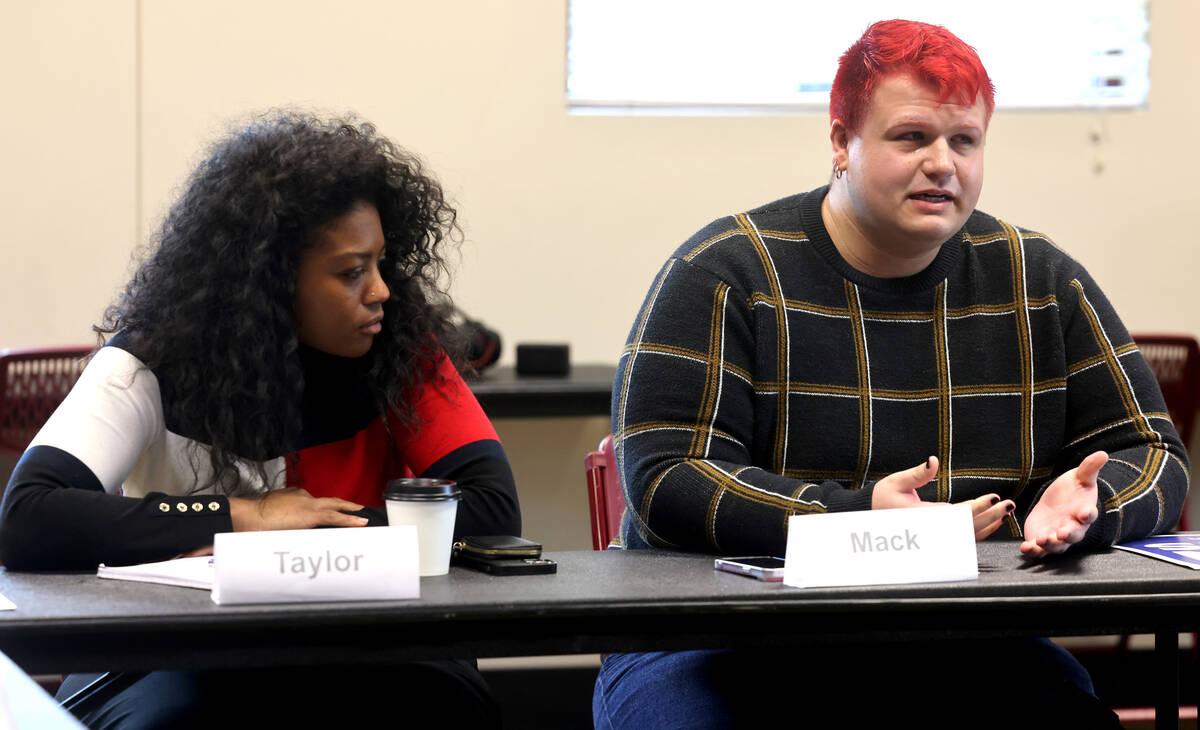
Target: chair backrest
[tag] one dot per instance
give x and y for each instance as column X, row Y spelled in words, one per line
column 606, row 501
column 1175, row 360
column 32, row 384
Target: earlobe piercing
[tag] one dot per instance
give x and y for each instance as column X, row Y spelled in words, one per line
column 837, row 171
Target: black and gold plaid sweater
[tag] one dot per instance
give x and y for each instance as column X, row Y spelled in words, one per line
column 765, row 377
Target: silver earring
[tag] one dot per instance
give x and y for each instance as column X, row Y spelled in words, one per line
column 837, row 171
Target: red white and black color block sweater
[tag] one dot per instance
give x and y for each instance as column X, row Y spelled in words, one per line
column 109, row 480
column 766, row 377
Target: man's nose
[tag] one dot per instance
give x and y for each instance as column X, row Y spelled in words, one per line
column 939, row 160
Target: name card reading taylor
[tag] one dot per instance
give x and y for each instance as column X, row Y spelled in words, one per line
column 881, row 547
column 282, row 566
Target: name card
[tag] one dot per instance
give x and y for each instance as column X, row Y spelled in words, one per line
column 285, row 566
column 881, row 547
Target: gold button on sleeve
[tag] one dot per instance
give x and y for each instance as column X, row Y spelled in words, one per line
column 164, row 507
column 181, row 507
column 196, row 506
column 214, row 506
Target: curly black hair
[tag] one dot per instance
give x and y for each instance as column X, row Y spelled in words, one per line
column 210, row 308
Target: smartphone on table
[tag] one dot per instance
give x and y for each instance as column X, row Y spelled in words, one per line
column 510, row 566
column 762, row 567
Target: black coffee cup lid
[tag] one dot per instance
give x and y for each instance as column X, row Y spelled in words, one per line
column 422, row 490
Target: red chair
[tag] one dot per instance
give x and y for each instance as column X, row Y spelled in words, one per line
column 1175, row 360
column 606, row 499
column 32, row 384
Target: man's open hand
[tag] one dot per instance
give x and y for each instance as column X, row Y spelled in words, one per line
column 1067, row 508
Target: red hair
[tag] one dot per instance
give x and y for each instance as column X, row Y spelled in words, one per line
column 929, row 52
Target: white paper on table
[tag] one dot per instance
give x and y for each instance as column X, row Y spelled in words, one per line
column 186, row 572
column 284, row 566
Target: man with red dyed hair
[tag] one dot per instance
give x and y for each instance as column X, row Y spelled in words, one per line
column 929, row 52
column 803, row 356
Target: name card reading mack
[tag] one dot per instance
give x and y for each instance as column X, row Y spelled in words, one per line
column 880, row 547
column 865, row 542
column 282, row 566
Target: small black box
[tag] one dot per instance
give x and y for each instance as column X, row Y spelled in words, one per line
column 543, row 359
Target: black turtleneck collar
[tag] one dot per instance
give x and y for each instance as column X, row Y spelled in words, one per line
column 941, row 266
column 337, row 402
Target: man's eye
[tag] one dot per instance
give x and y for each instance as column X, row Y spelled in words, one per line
column 912, row 136
column 965, row 139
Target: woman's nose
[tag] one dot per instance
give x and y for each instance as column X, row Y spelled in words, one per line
column 378, row 290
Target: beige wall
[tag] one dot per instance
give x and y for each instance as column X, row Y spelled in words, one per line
column 106, row 106
column 67, row 164
column 476, row 87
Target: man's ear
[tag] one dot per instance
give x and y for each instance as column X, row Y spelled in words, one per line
column 839, row 138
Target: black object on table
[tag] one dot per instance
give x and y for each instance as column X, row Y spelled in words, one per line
column 597, row 602
column 585, row 391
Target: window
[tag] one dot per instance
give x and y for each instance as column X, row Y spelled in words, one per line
column 770, row 56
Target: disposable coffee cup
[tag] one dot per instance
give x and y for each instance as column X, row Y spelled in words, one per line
column 431, row 506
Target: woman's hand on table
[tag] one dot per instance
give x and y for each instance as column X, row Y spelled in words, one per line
column 292, row 508
column 988, row 513
column 1066, row 510
column 900, row 490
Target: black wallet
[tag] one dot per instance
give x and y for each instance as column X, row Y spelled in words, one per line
column 497, row 546
column 502, row 555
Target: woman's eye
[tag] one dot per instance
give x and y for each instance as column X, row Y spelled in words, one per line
column 353, row 274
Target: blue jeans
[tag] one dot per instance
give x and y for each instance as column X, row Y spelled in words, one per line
column 961, row 684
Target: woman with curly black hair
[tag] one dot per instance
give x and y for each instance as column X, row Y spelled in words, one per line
column 277, row 357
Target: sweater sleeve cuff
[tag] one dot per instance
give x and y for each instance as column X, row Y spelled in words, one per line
column 841, row 499
column 193, row 519
column 1101, row 535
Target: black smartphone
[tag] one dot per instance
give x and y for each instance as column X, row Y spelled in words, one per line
column 507, row 566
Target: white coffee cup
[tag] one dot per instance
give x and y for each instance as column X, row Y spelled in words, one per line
column 431, row 506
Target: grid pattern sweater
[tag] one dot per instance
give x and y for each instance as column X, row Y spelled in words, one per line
column 766, row 377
